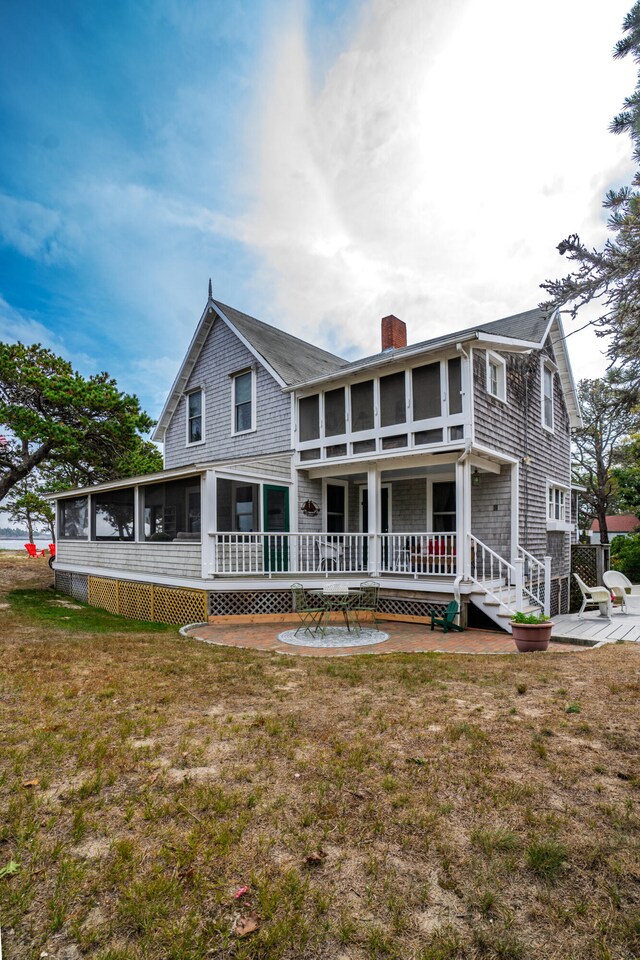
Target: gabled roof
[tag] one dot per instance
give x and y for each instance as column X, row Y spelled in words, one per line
column 287, row 358
column 292, row 359
column 623, row 523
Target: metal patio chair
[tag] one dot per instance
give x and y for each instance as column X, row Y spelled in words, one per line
column 312, row 616
column 366, row 601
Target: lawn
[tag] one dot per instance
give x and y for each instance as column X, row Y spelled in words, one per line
column 166, row 799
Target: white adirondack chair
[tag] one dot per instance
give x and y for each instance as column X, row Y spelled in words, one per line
column 620, row 586
column 594, row 597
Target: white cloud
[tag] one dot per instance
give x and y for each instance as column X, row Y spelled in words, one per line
column 450, row 147
column 34, row 230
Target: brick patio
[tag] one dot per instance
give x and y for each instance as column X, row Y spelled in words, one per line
column 403, row 638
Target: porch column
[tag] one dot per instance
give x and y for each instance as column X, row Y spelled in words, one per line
column 208, row 523
column 373, row 517
column 463, row 517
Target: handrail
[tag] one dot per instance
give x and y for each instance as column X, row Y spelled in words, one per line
column 492, row 573
column 536, row 580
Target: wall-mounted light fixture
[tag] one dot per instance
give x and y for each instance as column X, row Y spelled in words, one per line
column 310, row 509
column 475, row 478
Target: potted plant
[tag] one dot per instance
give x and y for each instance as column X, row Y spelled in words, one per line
column 531, row 631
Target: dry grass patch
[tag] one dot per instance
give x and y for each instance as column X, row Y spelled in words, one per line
column 412, row 807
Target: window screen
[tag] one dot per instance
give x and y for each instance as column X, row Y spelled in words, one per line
column 455, row 386
column 426, row 392
column 334, row 420
column 392, row 399
column 309, row 418
column 362, row 406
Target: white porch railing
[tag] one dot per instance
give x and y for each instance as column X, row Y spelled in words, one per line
column 418, row 553
column 324, row 554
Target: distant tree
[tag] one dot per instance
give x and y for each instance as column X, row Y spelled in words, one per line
column 55, row 417
column 608, row 421
column 611, row 276
column 27, row 506
column 627, row 476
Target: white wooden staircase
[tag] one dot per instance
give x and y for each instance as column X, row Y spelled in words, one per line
column 500, row 588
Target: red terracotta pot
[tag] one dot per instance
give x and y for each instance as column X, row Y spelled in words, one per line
column 530, row 637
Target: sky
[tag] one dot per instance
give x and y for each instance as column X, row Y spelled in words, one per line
column 325, row 162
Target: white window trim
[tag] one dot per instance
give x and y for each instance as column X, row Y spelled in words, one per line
column 195, row 443
column 547, row 365
column 501, row 364
column 552, row 523
column 234, row 377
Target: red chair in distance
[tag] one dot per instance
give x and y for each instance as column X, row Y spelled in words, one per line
column 33, row 551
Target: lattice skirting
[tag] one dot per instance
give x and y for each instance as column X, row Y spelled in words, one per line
column 257, row 602
column 272, row 602
column 147, row 601
column 75, row 585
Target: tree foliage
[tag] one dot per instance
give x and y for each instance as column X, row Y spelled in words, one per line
column 83, row 428
column 608, row 421
column 25, row 505
column 611, row 277
column 626, row 475
column 625, row 556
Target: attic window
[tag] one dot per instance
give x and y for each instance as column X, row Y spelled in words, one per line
column 243, row 402
column 547, row 396
column 195, row 406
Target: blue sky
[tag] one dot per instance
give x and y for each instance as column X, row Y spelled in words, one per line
column 325, row 162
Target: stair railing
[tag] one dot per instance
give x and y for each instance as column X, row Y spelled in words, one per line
column 494, row 575
column 536, row 579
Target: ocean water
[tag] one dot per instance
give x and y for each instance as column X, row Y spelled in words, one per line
column 19, row 545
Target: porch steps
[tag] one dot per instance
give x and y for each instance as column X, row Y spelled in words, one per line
column 499, row 610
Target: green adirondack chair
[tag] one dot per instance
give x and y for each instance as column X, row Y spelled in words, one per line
column 447, row 622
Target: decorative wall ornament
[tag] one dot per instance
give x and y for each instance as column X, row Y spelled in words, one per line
column 310, row 509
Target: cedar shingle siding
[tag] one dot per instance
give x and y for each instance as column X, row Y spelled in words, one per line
column 221, row 355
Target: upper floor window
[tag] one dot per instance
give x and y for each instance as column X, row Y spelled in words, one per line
column 195, row 405
column 362, row 406
column 393, row 407
column 547, row 396
column 309, row 410
column 243, row 402
column 496, row 376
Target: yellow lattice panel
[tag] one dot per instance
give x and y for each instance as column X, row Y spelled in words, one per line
column 135, row 600
column 103, row 593
column 171, row 605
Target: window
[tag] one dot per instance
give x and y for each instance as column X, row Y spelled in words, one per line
column 443, row 506
column 309, row 415
column 114, row 515
column 243, row 402
column 496, row 376
column 74, row 519
column 237, row 506
column 558, row 503
column 334, row 418
column 455, row 385
column 172, row 510
column 547, row 396
column 393, row 408
column 362, row 406
column 426, row 392
column 194, row 417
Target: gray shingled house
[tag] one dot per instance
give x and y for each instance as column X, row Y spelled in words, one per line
column 441, row 469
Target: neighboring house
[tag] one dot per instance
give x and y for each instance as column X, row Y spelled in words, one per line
column 622, row 525
column 442, row 469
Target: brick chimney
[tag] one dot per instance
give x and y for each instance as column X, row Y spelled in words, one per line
column 394, row 333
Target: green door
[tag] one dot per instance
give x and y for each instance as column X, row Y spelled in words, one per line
column 275, row 513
